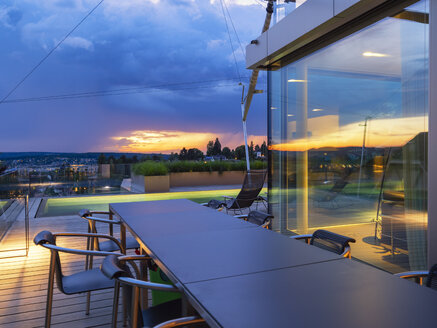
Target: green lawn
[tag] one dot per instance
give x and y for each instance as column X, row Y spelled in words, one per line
column 71, row 205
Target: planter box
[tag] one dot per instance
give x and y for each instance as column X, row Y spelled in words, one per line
column 192, row 179
column 150, row 184
column 163, row 183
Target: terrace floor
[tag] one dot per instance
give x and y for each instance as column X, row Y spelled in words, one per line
column 23, row 281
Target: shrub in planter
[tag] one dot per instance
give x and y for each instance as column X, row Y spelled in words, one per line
column 150, row 168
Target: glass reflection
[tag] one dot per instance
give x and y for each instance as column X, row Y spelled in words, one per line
column 348, row 139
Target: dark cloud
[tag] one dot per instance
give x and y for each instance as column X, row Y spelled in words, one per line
column 123, row 46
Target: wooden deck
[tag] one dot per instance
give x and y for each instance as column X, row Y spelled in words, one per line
column 23, row 281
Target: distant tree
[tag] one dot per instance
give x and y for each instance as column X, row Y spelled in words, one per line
column 233, row 153
column 173, row 156
column 156, row 157
column 257, row 149
column 101, row 159
column 194, row 154
column 134, row 159
column 111, row 160
column 226, row 152
column 264, row 149
column 240, row 152
column 122, row 159
column 183, row 155
column 210, row 148
column 217, row 148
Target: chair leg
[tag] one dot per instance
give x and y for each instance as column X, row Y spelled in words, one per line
column 50, row 289
column 88, row 303
column 135, row 301
column 115, row 303
column 88, row 243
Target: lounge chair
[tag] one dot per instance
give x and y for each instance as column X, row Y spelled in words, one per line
column 329, row 241
column 329, row 197
column 249, row 193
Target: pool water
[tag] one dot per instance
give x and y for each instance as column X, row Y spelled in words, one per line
column 71, row 205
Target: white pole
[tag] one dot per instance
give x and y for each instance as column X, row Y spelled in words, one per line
column 245, row 139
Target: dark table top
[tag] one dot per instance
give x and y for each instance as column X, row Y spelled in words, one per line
column 222, row 253
column 239, row 275
column 160, row 206
column 329, row 294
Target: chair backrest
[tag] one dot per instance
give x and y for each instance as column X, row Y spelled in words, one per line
column 46, row 237
column 252, row 185
column 330, row 241
column 431, row 281
column 259, row 218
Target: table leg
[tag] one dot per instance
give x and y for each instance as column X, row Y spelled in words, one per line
column 123, row 237
column 144, row 291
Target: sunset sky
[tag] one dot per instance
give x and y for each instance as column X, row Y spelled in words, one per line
column 169, row 62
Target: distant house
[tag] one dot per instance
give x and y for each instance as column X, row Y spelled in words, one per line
column 215, row 158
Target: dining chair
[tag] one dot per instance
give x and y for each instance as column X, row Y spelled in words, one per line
column 107, row 245
column 418, row 276
column 262, row 219
column 125, row 273
column 76, row 283
column 329, row 241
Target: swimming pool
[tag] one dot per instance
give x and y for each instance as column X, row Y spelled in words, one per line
column 71, row 205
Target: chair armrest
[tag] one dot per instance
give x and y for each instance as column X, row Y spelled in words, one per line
column 99, row 212
column 148, row 284
column 266, row 224
column 299, row 237
column 417, row 275
column 134, row 258
column 347, row 252
column 411, row 274
column 180, row 322
column 204, row 204
column 78, row 251
column 101, row 220
column 228, row 197
column 88, row 234
column 243, row 216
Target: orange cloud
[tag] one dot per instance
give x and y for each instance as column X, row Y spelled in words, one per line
column 150, row 141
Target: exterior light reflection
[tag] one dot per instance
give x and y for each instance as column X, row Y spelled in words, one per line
column 374, row 54
column 296, row 81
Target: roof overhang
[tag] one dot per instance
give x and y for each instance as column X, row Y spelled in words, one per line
column 306, row 24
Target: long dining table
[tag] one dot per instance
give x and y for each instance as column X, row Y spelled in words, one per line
column 236, row 274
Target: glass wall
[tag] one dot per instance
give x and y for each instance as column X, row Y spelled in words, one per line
column 348, row 141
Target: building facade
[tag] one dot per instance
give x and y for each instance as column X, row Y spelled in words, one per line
column 349, row 125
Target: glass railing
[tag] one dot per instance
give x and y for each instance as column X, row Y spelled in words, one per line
column 13, row 207
column 71, row 180
column 284, row 7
